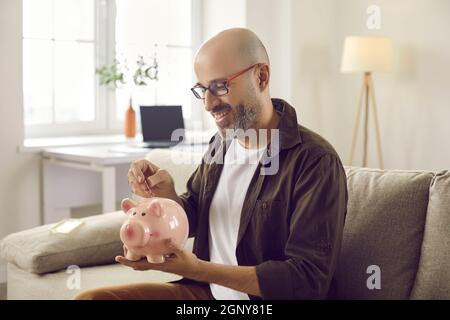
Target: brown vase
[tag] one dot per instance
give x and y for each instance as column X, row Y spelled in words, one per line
column 130, row 121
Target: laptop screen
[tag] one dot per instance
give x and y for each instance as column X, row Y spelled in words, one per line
column 158, row 122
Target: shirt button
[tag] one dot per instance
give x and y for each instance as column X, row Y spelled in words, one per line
column 264, row 205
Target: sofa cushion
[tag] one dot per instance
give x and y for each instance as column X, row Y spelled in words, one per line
column 384, row 227
column 433, row 276
column 23, row 285
column 38, row 250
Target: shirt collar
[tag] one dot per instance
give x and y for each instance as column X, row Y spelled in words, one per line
column 289, row 133
column 288, row 125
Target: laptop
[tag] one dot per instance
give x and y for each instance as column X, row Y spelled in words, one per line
column 158, row 123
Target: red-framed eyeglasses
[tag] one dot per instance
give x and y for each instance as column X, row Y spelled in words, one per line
column 218, row 87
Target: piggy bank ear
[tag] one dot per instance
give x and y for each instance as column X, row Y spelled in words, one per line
column 127, row 204
column 155, row 209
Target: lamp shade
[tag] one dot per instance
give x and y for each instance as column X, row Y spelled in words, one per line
column 367, row 54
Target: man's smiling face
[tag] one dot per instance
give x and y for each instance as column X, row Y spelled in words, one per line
column 240, row 107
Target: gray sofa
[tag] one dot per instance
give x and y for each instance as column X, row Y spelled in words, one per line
column 396, row 241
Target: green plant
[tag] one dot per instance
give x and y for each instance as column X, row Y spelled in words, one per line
column 114, row 75
column 111, row 75
column 145, row 73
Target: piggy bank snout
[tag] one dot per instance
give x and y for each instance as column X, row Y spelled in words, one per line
column 134, row 234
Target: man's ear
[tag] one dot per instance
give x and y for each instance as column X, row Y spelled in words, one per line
column 263, row 76
column 127, row 204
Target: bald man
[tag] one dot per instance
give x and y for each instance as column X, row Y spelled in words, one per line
column 268, row 202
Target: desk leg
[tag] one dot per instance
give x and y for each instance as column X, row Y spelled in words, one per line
column 51, row 211
column 109, row 189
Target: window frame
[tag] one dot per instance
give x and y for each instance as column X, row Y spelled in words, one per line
column 106, row 121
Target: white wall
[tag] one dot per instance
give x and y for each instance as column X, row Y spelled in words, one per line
column 271, row 21
column 315, row 59
column 219, row 15
column 413, row 100
column 19, row 173
column 305, row 38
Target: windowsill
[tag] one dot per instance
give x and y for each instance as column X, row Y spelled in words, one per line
column 39, row 144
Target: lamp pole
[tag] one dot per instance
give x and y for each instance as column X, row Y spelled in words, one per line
column 368, row 93
column 366, row 116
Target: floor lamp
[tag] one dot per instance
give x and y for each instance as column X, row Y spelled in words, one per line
column 366, row 55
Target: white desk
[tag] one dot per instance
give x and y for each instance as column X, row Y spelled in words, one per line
column 71, row 177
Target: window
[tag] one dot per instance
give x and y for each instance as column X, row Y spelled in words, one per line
column 165, row 29
column 64, row 41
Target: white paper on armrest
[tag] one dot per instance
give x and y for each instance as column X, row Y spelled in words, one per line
column 67, row 226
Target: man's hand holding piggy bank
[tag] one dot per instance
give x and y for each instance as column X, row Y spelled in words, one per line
column 157, row 227
column 149, row 223
column 154, row 235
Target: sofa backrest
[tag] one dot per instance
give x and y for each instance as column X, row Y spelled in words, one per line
column 433, row 277
column 383, row 233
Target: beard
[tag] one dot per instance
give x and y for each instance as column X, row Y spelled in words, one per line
column 242, row 117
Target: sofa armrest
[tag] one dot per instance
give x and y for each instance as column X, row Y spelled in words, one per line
column 39, row 250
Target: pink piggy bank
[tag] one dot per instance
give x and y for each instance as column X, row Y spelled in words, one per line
column 149, row 223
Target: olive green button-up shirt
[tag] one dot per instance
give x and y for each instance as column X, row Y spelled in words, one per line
column 293, row 217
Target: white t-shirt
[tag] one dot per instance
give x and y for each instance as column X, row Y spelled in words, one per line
column 225, row 211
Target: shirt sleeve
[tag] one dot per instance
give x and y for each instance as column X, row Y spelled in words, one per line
column 319, row 203
column 190, row 199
